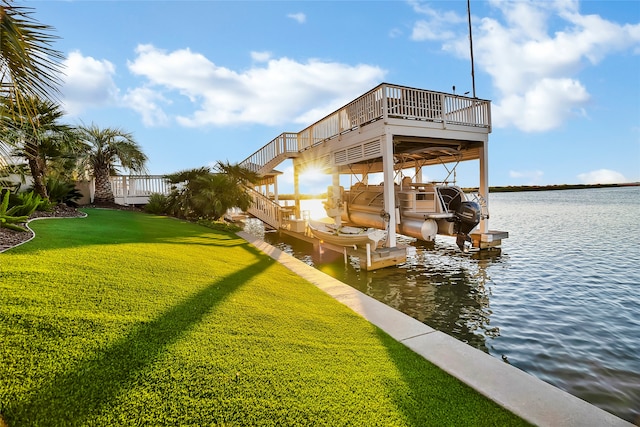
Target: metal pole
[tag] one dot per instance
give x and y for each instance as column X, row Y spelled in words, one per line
column 473, row 77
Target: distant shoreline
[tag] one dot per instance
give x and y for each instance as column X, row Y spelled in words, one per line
column 516, row 188
column 496, row 189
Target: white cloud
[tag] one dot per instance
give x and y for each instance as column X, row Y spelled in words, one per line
column 437, row 24
column 261, row 56
column 546, row 105
column 602, row 176
column 88, row 83
column 534, row 53
column 299, row 17
column 147, row 102
column 274, row 92
column 532, row 177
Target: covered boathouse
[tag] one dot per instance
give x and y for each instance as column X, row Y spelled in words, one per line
column 386, row 130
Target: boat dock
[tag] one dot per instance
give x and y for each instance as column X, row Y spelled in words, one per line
column 369, row 258
column 395, row 133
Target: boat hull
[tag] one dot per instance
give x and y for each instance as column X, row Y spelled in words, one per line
column 423, row 210
column 346, row 236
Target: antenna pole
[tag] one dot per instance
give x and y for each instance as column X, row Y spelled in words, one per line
column 473, row 77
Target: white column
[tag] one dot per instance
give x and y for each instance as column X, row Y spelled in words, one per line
column 296, row 190
column 483, row 189
column 275, row 188
column 336, row 196
column 389, row 189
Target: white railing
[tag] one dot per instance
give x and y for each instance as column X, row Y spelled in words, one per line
column 279, row 149
column 393, row 101
column 383, row 102
column 136, row 189
column 265, row 209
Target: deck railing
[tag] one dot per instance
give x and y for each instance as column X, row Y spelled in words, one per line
column 383, row 102
column 393, row 101
column 136, row 189
column 265, row 209
column 266, row 158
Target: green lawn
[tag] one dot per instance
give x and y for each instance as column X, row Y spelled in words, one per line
column 124, row 318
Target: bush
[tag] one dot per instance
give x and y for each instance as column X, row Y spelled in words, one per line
column 157, row 204
column 61, row 191
column 24, row 204
column 8, row 217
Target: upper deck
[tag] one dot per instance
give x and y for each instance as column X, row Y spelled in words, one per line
column 419, row 120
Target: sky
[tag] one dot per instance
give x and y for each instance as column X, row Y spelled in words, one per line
column 198, row 82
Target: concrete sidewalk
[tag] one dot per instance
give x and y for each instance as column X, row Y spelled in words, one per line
column 526, row 396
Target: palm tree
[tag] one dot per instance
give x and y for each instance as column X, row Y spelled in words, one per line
column 40, row 138
column 237, row 173
column 199, row 193
column 106, row 150
column 29, row 67
column 180, row 202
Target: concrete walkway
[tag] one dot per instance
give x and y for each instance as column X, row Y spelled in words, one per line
column 526, row 396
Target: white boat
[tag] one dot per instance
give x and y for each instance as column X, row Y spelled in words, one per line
column 346, row 235
column 425, row 209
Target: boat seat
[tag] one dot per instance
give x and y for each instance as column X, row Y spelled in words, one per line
column 452, row 198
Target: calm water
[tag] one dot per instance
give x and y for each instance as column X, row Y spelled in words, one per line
column 561, row 301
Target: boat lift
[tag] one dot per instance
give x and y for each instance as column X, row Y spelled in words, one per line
column 388, row 129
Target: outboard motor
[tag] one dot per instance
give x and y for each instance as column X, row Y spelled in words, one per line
column 466, row 219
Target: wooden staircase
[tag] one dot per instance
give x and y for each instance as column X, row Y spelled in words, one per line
column 265, row 209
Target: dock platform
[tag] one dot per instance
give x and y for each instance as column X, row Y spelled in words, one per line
column 490, row 239
column 370, row 258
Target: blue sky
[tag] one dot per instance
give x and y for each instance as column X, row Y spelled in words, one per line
column 201, row 81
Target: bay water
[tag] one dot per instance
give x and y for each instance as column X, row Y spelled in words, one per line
column 560, row 300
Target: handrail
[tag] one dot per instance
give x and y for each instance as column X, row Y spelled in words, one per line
column 264, row 208
column 139, row 185
column 393, row 101
column 277, row 150
column 380, row 103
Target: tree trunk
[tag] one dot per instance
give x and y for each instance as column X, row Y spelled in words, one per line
column 103, row 194
column 37, row 168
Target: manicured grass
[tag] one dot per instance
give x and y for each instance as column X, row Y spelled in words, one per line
column 124, row 318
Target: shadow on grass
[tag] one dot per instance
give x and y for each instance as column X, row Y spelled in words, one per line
column 73, row 397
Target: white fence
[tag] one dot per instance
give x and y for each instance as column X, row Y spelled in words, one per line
column 136, row 189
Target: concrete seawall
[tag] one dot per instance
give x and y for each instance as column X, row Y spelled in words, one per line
column 526, row 396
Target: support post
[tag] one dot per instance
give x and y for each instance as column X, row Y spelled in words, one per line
column 418, row 177
column 336, row 196
column 389, row 188
column 483, row 189
column 125, row 191
column 296, row 189
column 275, row 188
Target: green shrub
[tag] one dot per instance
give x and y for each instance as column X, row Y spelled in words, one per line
column 61, row 191
column 8, row 217
column 24, row 204
column 157, row 204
